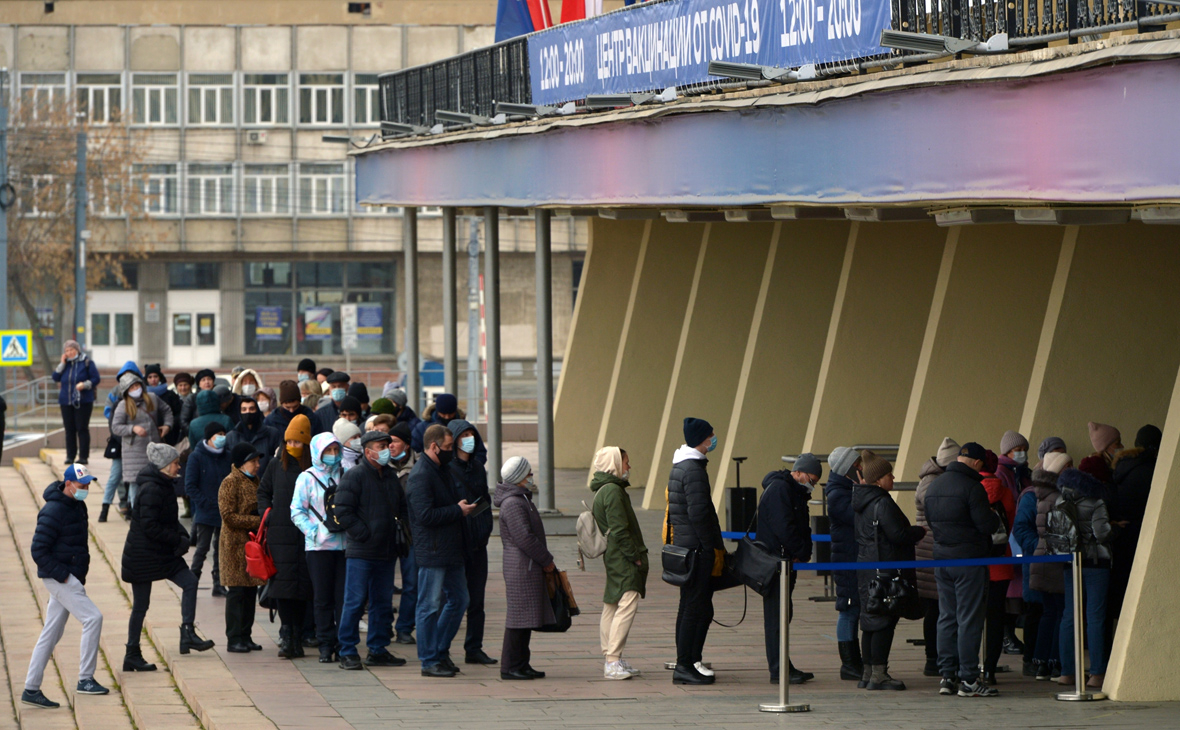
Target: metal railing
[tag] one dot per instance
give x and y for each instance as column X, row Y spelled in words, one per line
column 32, row 407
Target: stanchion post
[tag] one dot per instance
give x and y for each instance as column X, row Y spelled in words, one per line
column 784, row 648
column 1079, row 645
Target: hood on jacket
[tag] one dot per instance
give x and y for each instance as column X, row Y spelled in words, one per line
column 1044, row 477
column 1129, row 454
column 1080, row 483
column 602, row 478
column 54, row 493
column 838, row 481
column 458, row 425
column 128, row 379
column 504, row 491
column 128, row 367
column 686, row 452
column 864, row 495
column 208, row 403
column 784, row 476
column 237, row 389
column 319, row 442
column 930, row 469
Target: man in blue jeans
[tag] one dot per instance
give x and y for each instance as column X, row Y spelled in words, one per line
column 371, row 506
column 436, row 518
column 403, row 459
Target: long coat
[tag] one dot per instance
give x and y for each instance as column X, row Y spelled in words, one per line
column 156, row 541
column 927, row 586
column 525, row 556
column 135, row 447
column 276, row 491
column 614, row 512
column 238, row 502
column 843, row 531
column 883, row 534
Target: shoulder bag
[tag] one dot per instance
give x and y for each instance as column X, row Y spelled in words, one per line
column 890, row 593
column 677, row 562
column 259, row 563
column 753, row 563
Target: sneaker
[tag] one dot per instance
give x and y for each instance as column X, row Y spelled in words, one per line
column 1012, row 645
column 630, row 669
column 700, row 667
column 90, row 687
column 350, row 662
column 947, row 686
column 977, row 689
column 1041, row 670
column 37, row 698
column 614, row 670
column 363, row 626
column 383, row 659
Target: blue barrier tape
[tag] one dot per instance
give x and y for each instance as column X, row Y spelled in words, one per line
column 754, row 536
column 962, row 562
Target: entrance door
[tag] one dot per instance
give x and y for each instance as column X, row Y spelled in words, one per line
column 194, row 319
column 114, row 332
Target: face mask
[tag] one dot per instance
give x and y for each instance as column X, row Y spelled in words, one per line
column 295, row 451
column 353, row 445
column 1020, row 457
column 338, row 394
column 444, row 457
column 73, row 359
column 252, row 419
column 136, row 393
column 331, row 460
column 81, row 494
column 249, row 389
column 264, row 406
column 626, row 474
column 248, row 474
column 713, row 443
column 467, row 443
column 402, row 456
column 444, row 421
column 219, row 441
column 530, row 485
column 383, row 457
column 303, row 376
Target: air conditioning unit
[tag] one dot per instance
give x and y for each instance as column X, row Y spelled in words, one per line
column 256, row 136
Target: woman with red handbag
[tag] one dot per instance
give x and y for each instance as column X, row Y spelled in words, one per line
column 238, row 502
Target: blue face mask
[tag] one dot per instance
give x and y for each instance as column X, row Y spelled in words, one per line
column 331, row 460
column 81, row 494
column 467, row 444
column 713, row 443
column 303, row 376
column 338, row 394
column 249, row 475
column 383, row 457
column 219, row 441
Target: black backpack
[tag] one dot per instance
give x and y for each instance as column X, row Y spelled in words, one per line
column 329, row 517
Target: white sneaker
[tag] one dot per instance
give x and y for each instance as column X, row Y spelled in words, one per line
column 615, row 670
column 700, row 667
column 363, row 626
column 629, row 669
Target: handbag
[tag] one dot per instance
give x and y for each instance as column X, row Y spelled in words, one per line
column 564, row 608
column 889, row 592
column 677, row 562
column 114, row 449
column 259, row 563
column 753, row 563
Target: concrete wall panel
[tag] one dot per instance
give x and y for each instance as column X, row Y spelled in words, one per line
column 377, row 48
column 99, row 48
column 276, row 148
column 155, row 49
column 7, row 46
column 209, row 49
column 43, row 49
column 322, row 48
column 266, row 49
column 479, row 36
column 426, row 44
column 210, row 145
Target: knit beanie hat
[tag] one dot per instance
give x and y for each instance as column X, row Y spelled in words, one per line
column 348, row 403
column 299, row 429
column 399, row 398
column 205, row 373
column 696, row 430
column 289, row 391
column 153, row 367
column 401, row 432
column 161, row 455
column 515, row 470
column 307, row 365
column 947, row 452
column 1056, row 462
column 359, row 391
column 182, row 378
column 1050, row 444
column 382, row 406
column 71, row 343
column 806, row 463
column 1096, row 467
column 212, row 429
column 1012, row 440
column 841, row 460
column 874, row 467
column 242, row 453
column 1149, row 438
column 1102, row 436
column 446, row 403
column 344, row 430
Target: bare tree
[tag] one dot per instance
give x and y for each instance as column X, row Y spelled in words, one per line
column 42, row 166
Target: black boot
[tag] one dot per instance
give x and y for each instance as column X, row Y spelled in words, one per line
column 189, row 640
column 851, row 665
column 327, row 653
column 286, row 645
column 102, row 516
column 133, row 660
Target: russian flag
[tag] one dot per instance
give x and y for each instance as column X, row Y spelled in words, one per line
column 572, row 10
column 518, row 17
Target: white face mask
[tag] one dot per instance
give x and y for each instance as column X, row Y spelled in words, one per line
column 530, row 485
column 135, row 393
column 626, row 474
column 249, row 389
column 264, row 406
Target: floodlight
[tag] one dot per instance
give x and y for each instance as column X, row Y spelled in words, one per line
column 614, row 101
column 799, row 213
column 964, row 216
column 881, row 215
column 693, row 216
column 1073, row 216
column 400, row 128
column 746, row 215
column 534, row 110
column 1158, row 214
column 754, row 72
column 941, row 44
column 336, row 138
column 442, row 115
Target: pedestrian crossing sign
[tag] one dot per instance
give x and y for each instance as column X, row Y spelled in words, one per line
column 16, row 348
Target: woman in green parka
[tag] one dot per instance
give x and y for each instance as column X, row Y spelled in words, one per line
column 625, row 557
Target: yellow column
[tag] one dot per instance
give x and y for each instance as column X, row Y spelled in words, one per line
column 611, row 257
column 981, row 338
column 647, row 345
column 712, row 342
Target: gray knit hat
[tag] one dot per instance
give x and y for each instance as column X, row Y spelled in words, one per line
column 398, row 397
column 161, row 455
column 947, row 452
column 1012, row 440
column 841, row 460
column 808, row 464
column 515, row 470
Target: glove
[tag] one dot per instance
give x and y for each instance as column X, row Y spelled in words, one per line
column 718, row 562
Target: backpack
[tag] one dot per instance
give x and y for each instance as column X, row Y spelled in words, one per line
column 329, row 517
column 591, row 540
column 1061, row 528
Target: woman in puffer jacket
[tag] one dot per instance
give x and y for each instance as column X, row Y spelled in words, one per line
column 323, row 549
column 139, row 419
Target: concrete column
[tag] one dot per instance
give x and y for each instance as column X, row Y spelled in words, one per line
column 491, row 290
column 544, row 472
column 983, row 328
column 450, row 309
column 410, row 253
column 233, row 314
column 152, row 338
column 712, row 343
column 648, row 339
column 611, row 255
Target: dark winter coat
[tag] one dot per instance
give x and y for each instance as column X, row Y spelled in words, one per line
column 60, row 545
column 203, row 474
column 526, row 555
column 692, row 518
column 616, row 518
column 784, row 523
column 208, row 411
column 435, row 518
column 325, row 417
column 238, row 502
column 275, row 491
column 883, row 533
column 958, row 513
column 471, row 481
column 81, row 370
column 927, row 586
column 156, row 542
column 480, row 453
column 367, row 502
column 265, row 440
column 1133, row 470
column 409, row 417
column 838, row 493
column 170, row 400
column 280, row 418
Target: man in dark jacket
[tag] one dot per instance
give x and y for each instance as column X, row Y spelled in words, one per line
column 62, row 554
column 692, row 523
column 958, row 514
column 471, row 479
column 437, row 515
column 208, row 466
column 843, row 462
column 337, row 390
column 1133, row 470
column 251, row 430
column 784, row 527
column 290, row 405
column 208, row 411
column 372, row 508
column 446, row 408
column 402, row 458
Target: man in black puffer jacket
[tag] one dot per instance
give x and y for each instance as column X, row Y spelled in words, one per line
column 62, row 554
column 692, row 523
column 784, row 527
column 843, row 462
column 471, row 479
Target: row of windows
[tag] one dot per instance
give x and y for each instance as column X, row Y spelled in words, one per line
column 210, row 99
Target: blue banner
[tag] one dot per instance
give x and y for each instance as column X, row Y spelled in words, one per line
column 268, row 323
column 652, row 47
column 369, row 323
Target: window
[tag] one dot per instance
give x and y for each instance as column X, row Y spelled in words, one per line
column 321, row 98
column 578, row 264
column 267, row 189
column 210, row 99
column 155, row 99
column 264, row 99
column 41, row 92
column 111, row 280
column 210, row 189
column 100, row 329
column 124, row 329
column 366, row 99
column 100, row 97
column 194, row 276
column 158, row 184
column 182, row 330
column 321, row 188
column 104, row 196
column 268, row 275
column 41, row 196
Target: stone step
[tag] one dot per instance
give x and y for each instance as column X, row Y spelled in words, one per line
column 202, row 678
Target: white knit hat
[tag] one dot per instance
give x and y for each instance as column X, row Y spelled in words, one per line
column 515, row 470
